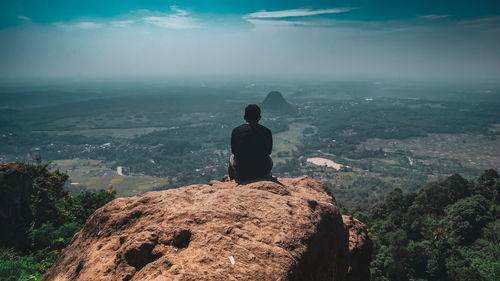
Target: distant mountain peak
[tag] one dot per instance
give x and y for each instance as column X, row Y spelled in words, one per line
column 276, row 103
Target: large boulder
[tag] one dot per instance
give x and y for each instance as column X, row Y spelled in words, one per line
column 15, row 212
column 285, row 229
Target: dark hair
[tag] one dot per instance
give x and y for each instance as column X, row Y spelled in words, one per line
column 252, row 113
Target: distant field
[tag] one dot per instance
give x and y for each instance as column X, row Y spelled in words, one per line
column 286, row 142
column 356, row 186
column 116, row 133
column 475, row 151
column 494, row 128
column 104, row 120
column 95, row 175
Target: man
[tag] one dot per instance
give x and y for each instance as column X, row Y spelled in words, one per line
column 251, row 145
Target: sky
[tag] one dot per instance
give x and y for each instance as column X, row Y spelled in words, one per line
column 418, row 39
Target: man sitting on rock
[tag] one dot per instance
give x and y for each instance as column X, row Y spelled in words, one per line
column 251, row 145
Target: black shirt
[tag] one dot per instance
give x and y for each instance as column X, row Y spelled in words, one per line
column 251, row 142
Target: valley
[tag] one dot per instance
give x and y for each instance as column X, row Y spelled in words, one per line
column 163, row 139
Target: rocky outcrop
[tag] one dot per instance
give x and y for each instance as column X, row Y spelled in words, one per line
column 284, row 229
column 360, row 250
column 15, row 212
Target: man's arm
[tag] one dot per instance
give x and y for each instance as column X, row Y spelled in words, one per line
column 270, row 143
column 233, row 140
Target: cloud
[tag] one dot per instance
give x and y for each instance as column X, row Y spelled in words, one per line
column 434, row 17
column 294, row 13
column 122, row 23
column 178, row 11
column 180, row 19
column 79, row 25
column 484, row 20
column 175, row 19
column 172, row 22
column 263, row 22
column 25, row 18
column 88, row 25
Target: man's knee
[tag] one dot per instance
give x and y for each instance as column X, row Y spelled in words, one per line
column 231, row 168
column 246, row 172
column 270, row 164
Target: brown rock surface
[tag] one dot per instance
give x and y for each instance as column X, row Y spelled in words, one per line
column 360, row 250
column 287, row 229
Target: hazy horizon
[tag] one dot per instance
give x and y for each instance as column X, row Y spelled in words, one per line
column 450, row 40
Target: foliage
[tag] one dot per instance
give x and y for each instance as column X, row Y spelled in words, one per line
column 48, row 188
column 48, row 237
column 449, row 230
column 486, row 260
column 57, row 216
column 14, row 268
column 78, row 208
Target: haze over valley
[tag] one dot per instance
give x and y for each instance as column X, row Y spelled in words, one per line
column 152, row 135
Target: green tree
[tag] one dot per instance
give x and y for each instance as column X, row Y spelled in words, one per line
column 57, row 216
column 48, row 188
column 464, row 220
column 488, row 185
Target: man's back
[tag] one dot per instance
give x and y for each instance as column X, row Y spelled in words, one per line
column 251, row 141
column 251, row 145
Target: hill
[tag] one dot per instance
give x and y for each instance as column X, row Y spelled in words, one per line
column 276, row 103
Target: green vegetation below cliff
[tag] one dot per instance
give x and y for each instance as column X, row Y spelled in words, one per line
column 47, row 226
column 448, row 230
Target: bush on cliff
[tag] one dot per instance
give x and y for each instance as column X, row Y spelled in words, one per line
column 14, row 267
column 57, row 216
